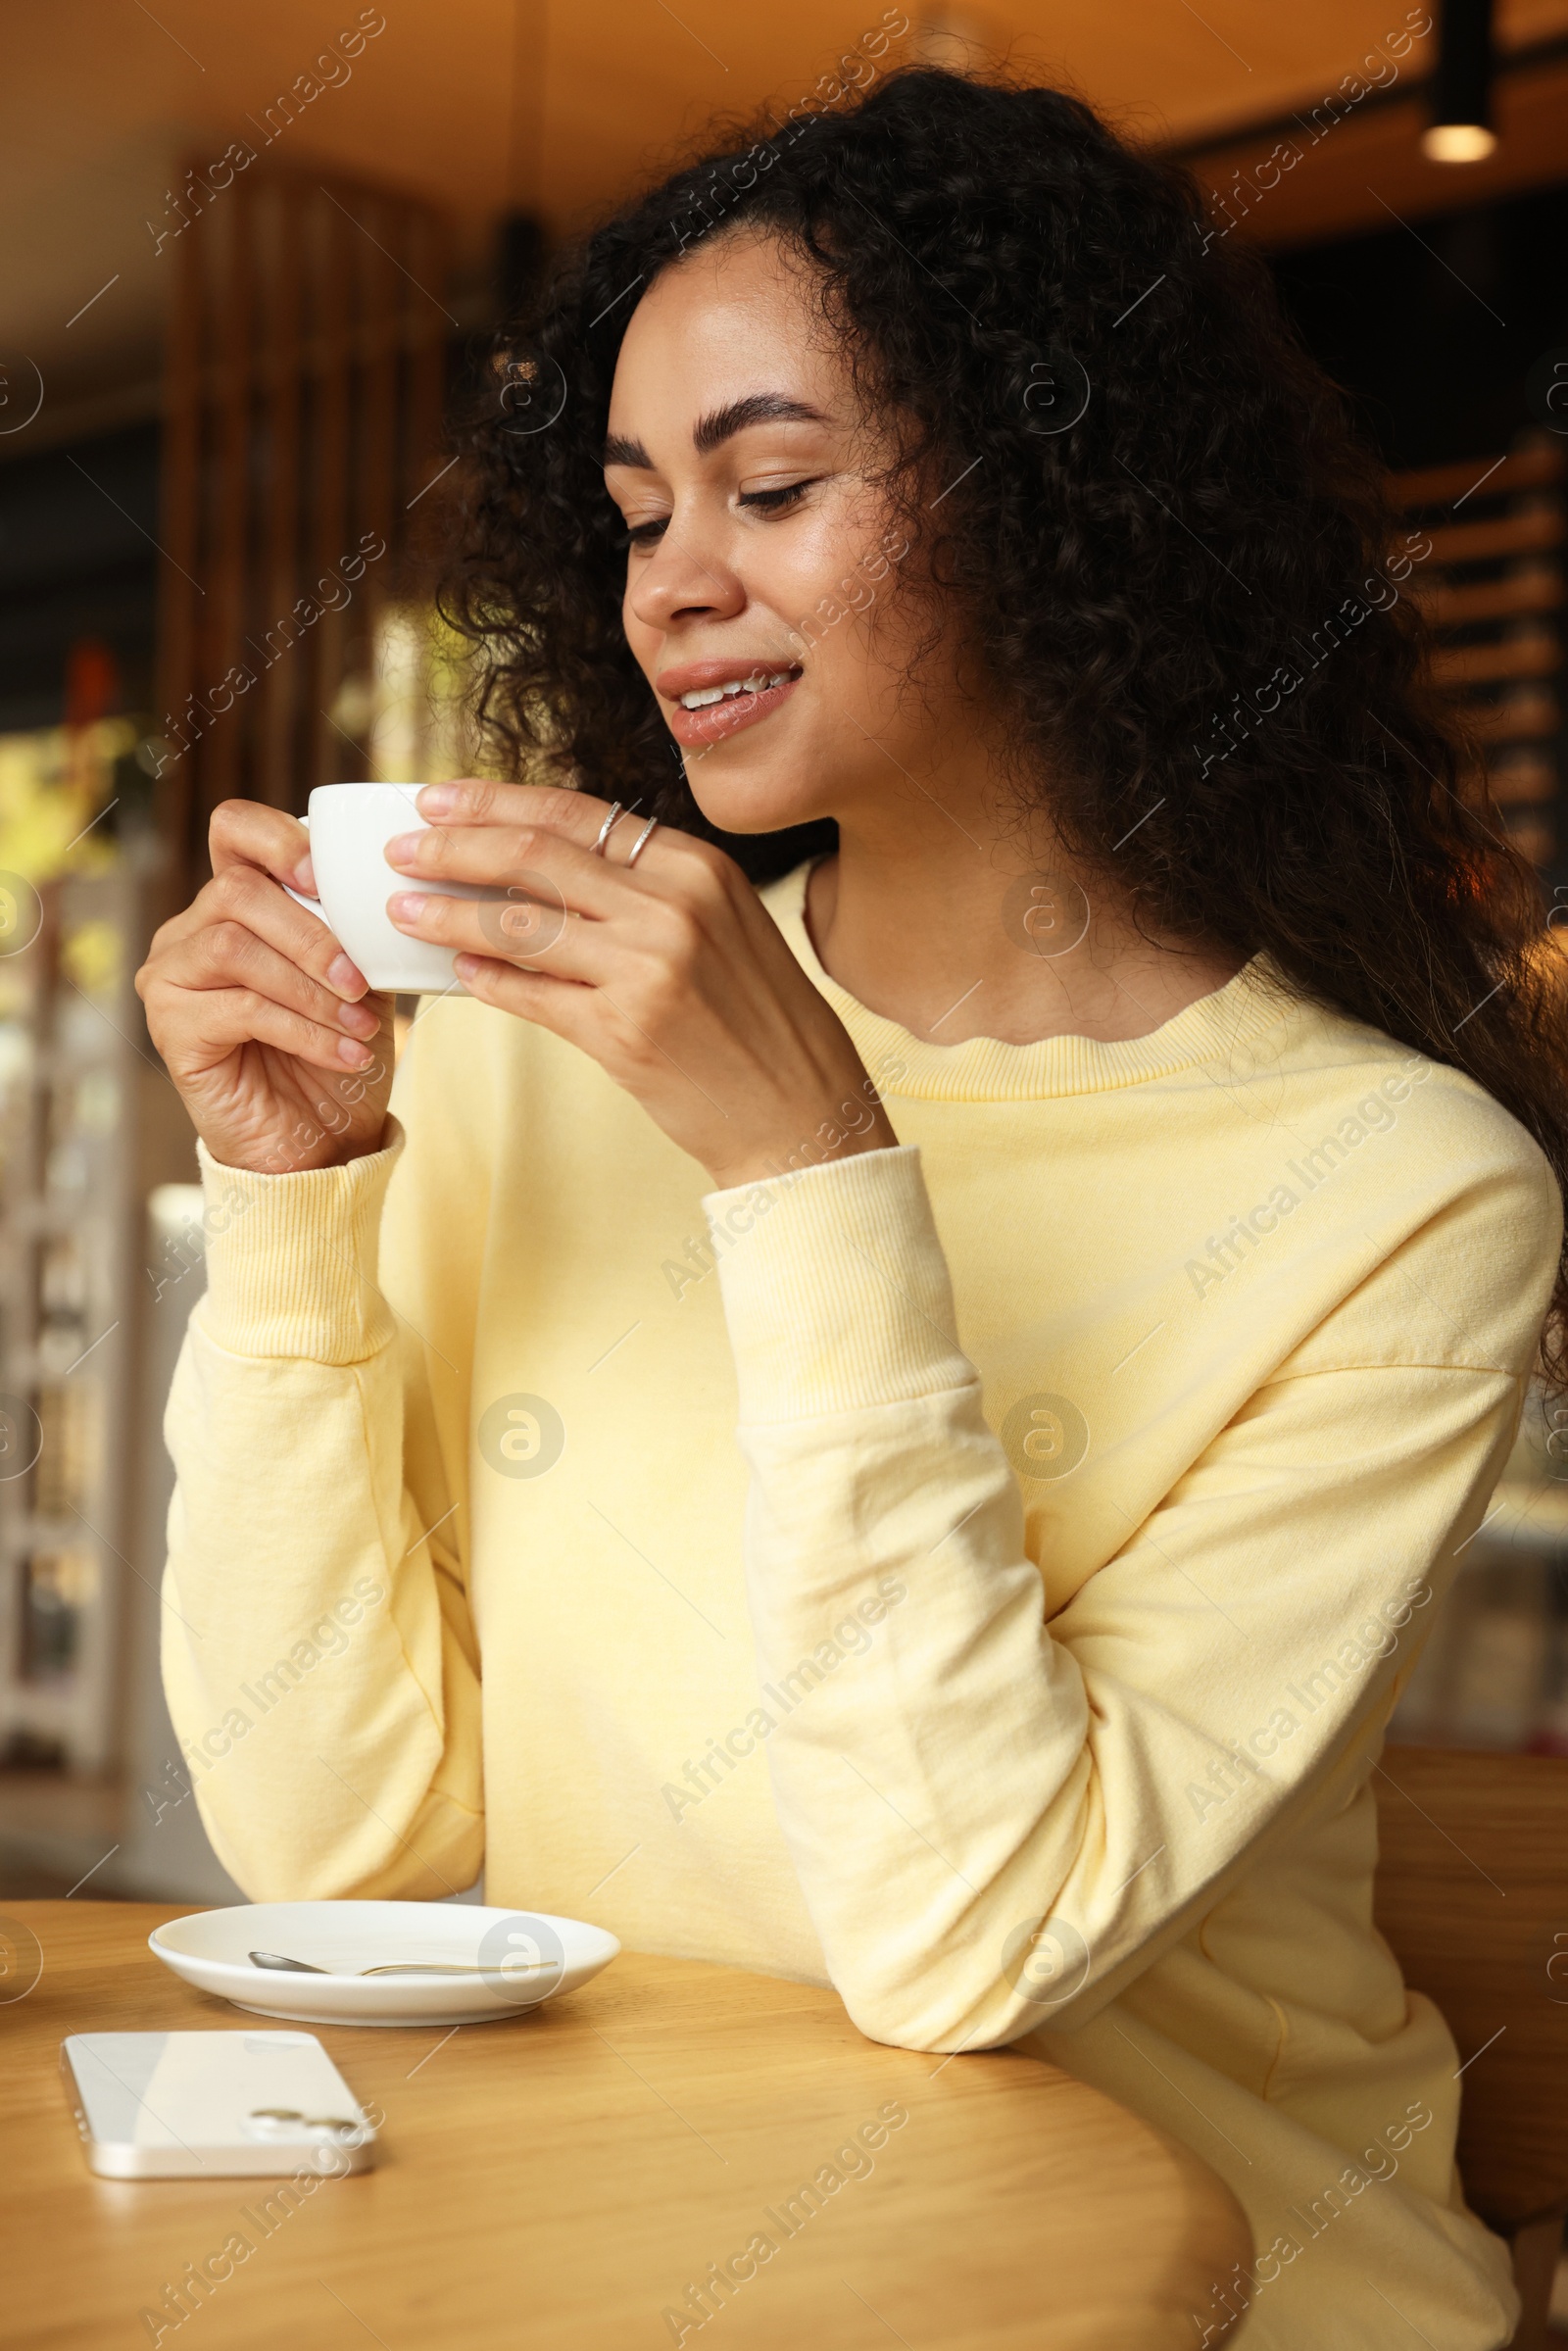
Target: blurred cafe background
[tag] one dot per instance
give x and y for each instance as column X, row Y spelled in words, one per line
column 255, row 263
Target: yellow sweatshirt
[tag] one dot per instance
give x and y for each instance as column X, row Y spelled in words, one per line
column 976, row 1574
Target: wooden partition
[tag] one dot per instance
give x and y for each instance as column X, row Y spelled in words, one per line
column 1492, row 584
column 306, row 374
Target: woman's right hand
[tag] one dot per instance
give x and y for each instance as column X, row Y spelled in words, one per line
column 282, row 1056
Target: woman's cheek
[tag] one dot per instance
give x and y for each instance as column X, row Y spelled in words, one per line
column 818, row 572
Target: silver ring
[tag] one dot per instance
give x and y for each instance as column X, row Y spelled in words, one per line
column 598, row 848
column 639, row 843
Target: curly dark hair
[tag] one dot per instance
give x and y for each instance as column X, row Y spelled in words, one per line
column 1176, row 555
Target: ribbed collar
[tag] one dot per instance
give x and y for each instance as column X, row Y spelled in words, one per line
column 985, row 1069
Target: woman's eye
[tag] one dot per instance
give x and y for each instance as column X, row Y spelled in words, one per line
column 771, row 501
column 775, row 501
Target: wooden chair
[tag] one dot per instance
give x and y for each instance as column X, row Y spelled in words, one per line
column 1472, row 1895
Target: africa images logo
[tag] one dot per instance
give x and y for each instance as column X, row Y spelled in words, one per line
column 521, row 1436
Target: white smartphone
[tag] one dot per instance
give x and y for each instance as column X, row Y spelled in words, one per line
column 213, row 2106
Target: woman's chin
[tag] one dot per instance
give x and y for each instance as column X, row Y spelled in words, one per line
column 756, row 803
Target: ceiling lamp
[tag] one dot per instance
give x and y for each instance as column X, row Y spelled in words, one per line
column 1461, row 130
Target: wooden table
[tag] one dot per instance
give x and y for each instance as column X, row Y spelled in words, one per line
column 557, row 2183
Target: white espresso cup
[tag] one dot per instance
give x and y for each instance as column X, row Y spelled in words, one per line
column 350, row 826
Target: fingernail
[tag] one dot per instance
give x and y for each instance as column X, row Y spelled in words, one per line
column 405, row 849
column 346, row 977
column 406, row 905
column 357, row 1055
column 437, row 800
column 360, row 1018
column 305, row 875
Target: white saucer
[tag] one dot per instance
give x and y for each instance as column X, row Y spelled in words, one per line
column 526, row 1957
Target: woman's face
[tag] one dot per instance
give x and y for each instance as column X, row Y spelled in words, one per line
column 763, row 562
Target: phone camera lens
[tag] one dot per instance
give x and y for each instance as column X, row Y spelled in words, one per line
column 274, row 2122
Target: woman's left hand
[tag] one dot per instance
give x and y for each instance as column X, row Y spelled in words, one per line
column 671, row 974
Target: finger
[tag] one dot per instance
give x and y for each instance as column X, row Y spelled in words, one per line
column 566, row 1010
column 510, row 856
column 226, row 955
column 635, row 834
column 243, row 893
column 579, row 817
column 246, row 831
column 475, row 801
column 213, row 1021
column 521, row 930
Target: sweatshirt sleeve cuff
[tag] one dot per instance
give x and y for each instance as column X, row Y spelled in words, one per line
column 292, row 1259
column 836, row 1289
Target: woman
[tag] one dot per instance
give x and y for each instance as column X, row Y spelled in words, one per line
column 1126, row 1125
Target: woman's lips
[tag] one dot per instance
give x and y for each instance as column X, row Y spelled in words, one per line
column 716, row 720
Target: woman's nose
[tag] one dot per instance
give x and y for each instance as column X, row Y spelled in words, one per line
column 684, row 579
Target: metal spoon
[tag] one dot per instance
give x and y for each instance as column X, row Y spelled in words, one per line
column 396, row 1966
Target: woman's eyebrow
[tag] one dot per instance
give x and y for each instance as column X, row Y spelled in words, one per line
column 760, row 408
column 719, row 425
